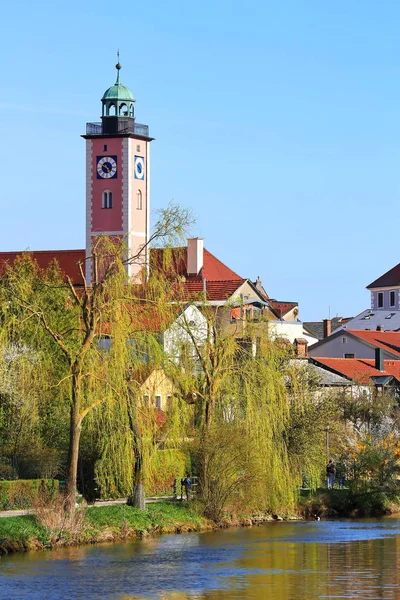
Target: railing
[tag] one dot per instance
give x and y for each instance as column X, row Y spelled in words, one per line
column 122, row 127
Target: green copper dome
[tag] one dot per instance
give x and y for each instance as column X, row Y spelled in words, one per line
column 118, row 100
column 118, row 92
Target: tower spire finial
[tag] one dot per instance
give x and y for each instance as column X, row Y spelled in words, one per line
column 118, row 66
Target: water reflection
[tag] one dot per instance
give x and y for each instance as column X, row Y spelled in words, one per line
column 283, row 561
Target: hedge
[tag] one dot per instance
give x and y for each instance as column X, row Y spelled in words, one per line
column 21, row 493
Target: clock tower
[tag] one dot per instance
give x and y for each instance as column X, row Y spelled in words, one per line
column 118, row 178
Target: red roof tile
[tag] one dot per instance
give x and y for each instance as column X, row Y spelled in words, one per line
column 389, row 279
column 215, row 290
column 281, row 308
column 67, row 260
column 360, row 369
column 388, row 340
column 213, row 269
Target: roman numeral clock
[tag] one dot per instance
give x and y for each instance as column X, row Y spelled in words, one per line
column 117, row 177
column 107, row 167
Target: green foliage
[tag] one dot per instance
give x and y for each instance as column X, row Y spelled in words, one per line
column 373, row 460
column 22, row 493
column 158, row 514
column 168, row 465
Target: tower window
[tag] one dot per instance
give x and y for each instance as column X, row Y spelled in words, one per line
column 105, row 148
column 380, row 299
column 392, row 298
column 139, row 203
column 107, row 199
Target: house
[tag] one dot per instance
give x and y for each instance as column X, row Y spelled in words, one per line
column 348, row 344
column 384, row 311
column 323, row 378
column 364, row 372
column 321, row 329
column 200, row 277
column 157, row 389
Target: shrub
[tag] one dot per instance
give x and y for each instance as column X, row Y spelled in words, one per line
column 51, row 512
column 168, row 465
column 22, row 493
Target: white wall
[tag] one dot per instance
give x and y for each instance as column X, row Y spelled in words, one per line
column 289, row 330
column 177, row 334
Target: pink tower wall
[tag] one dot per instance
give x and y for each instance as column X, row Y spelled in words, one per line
column 124, row 219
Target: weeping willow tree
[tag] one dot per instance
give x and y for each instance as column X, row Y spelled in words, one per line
column 130, row 429
column 45, row 308
column 237, row 379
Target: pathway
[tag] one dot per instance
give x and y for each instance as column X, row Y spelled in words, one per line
column 29, row 511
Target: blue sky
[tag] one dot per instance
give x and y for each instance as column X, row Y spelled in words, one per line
column 277, row 123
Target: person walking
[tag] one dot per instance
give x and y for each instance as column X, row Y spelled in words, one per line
column 341, row 473
column 330, row 473
column 187, row 484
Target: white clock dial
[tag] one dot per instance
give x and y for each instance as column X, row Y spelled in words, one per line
column 107, row 167
column 139, row 167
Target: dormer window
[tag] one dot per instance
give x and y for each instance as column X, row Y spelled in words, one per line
column 392, row 298
column 380, row 299
column 107, row 199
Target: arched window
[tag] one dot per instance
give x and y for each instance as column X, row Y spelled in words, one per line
column 139, row 203
column 123, row 110
column 112, row 110
column 107, row 199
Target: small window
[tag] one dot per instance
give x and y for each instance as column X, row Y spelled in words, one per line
column 344, row 340
column 380, row 299
column 158, row 402
column 392, row 298
column 138, row 148
column 169, row 401
column 107, row 199
column 139, row 203
column 146, row 400
column 349, row 356
column 105, row 148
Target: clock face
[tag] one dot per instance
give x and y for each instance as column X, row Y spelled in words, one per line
column 106, row 167
column 139, row 167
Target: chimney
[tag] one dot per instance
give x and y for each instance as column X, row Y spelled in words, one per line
column 380, row 328
column 195, row 255
column 379, row 359
column 301, row 347
column 327, row 327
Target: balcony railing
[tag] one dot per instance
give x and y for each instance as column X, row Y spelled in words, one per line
column 123, row 126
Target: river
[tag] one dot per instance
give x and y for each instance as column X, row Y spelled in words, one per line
column 281, row 561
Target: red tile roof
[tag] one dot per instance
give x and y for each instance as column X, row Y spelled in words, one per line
column 388, row 340
column 281, row 308
column 215, row 290
column 213, row 269
column 67, row 260
column 389, row 279
column 360, row 369
column 221, row 282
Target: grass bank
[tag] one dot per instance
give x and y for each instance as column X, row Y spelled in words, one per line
column 109, row 524
column 349, row 503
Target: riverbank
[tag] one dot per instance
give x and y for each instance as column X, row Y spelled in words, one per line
column 348, row 503
column 93, row 525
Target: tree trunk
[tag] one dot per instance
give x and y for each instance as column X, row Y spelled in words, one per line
column 73, row 450
column 137, row 499
column 137, row 496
